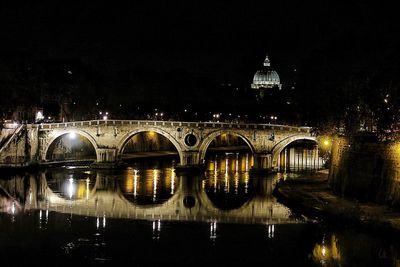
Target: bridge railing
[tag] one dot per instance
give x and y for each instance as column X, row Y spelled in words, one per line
column 222, row 125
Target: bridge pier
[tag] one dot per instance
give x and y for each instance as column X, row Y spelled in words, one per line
column 190, row 162
column 106, row 158
column 262, row 163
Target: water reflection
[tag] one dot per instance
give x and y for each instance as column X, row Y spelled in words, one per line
column 148, row 186
column 154, row 192
column 348, row 247
column 72, row 184
column 83, row 208
column 227, row 182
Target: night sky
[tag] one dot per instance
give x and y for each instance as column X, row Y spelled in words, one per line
column 140, row 53
column 219, row 39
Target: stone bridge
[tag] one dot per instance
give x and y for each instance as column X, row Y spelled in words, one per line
column 191, row 139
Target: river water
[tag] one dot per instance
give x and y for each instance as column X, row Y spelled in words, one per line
column 146, row 214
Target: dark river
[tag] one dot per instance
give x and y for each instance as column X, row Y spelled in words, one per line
column 146, row 215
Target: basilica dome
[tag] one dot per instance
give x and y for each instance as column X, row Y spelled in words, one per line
column 266, row 77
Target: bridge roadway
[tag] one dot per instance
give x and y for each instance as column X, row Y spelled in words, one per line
column 191, row 139
column 106, row 200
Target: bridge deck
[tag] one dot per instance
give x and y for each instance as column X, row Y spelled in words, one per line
column 225, row 125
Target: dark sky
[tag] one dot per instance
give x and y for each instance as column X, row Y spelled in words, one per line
column 221, row 39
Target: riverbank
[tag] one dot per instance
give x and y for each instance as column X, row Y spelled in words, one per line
column 312, row 197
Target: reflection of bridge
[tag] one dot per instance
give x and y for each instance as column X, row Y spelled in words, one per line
column 191, row 139
column 106, row 200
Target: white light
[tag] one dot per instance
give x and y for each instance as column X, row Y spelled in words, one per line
column 72, row 135
column 13, row 208
column 105, row 118
column 70, row 188
column 39, row 116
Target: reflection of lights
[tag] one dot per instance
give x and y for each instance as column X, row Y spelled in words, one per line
column 226, row 179
column 30, row 196
column 104, row 221
column 87, row 188
column 247, row 162
column 156, row 229
column 40, row 219
column 215, row 182
column 323, row 251
column 135, row 176
column 236, row 183
column 97, row 223
column 13, row 208
column 246, row 182
column 70, row 167
column 70, row 188
column 271, row 230
column 237, row 165
column 72, row 135
column 172, row 181
column 155, row 177
column 213, row 230
column 226, row 165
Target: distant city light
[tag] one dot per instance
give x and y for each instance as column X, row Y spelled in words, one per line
column 105, row 117
column 39, row 116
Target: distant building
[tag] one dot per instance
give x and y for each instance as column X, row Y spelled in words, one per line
column 266, row 79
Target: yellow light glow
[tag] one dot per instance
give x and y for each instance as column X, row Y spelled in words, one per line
column 326, row 143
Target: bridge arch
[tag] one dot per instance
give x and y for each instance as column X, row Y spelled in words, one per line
column 124, row 140
column 210, row 137
column 277, row 149
column 75, row 131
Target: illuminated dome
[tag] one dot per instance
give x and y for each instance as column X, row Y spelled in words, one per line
column 267, row 77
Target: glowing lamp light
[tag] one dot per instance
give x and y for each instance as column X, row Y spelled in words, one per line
column 105, row 118
column 326, row 143
column 72, row 135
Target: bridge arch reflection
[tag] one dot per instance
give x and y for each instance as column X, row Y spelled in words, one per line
column 148, row 186
column 190, row 200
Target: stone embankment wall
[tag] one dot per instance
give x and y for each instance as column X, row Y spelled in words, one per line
column 21, row 149
column 367, row 170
